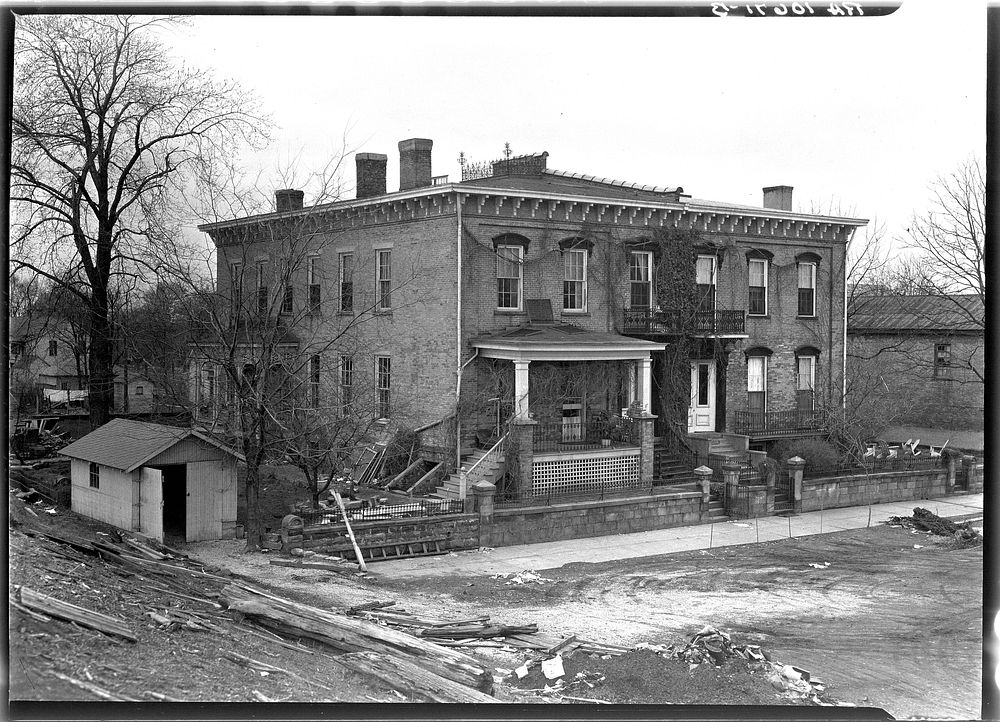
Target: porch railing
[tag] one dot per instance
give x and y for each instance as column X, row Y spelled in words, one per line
column 775, row 423
column 578, row 436
column 702, row 323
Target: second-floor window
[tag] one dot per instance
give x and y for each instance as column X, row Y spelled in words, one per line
column 286, row 299
column 236, row 288
column 705, row 282
column 312, row 283
column 314, row 381
column 346, row 272
column 575, row 280
column 383, row 384
column 757, row 384
column 640, row 279
column 942, row 360
column 509, row 260
column 757, row 301
column 53, row 347
column 262, row 301
column 807, row 289
column 383, row 280
column 346, row 384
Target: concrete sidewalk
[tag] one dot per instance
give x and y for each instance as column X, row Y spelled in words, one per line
column 550, row 555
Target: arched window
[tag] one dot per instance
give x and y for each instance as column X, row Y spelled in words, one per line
column 758, row 270
column 757, row 362
column 806, row 358
column 806, row 265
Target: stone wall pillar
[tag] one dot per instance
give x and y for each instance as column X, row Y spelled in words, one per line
column 645, row 430
column 731, row 475
column 972, row 482
column 796, row 465
column 483, row 492
column 704, row 476
column 950, row 464
column 770, row 481
column 524, row 432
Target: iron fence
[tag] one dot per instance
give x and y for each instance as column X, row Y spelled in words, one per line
column 579, row 436
column 675, row 321
column 509, row 498
column 776, row 422
column 415, row 509
column 869, row 465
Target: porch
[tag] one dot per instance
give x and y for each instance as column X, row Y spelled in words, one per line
column 579, row 410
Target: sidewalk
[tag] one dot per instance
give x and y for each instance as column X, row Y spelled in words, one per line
column 550, row 555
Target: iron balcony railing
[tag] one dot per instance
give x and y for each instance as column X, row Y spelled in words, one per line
column 697, row 323
column 776, row 423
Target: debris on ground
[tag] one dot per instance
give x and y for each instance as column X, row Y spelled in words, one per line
column 816, row 565
column 526, row 577
column 927, row 521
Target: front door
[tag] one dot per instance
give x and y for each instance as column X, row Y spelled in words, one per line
column 151, row 504
column 701, row 413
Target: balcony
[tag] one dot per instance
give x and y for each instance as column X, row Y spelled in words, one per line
column 776, row 424
column 675, row 322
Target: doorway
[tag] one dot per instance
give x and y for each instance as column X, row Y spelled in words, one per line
column 701, row 413
column 174, row 502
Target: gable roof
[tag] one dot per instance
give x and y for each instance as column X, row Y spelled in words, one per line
column 127, row 444
column 962, row 313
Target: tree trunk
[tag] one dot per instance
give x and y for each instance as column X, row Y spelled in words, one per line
column 101, row 363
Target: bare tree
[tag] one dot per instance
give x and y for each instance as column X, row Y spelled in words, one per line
column 104, row 128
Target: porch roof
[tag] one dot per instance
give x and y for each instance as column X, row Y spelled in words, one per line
column 561, row 342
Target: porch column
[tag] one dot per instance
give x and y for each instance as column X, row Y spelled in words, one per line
column 645, row 395
column 521, row 390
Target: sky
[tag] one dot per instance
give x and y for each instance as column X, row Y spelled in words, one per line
column 860, row 114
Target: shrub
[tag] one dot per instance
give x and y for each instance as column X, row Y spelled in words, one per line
column 817, row 452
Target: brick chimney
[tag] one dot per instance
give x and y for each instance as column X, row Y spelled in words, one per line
column 778, row 197
column 414, row 163
column 288, row 199
column 370, row 174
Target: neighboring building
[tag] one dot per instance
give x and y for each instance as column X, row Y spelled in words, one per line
column 919, row 360
column 555, row 301
column 45, row 357
column 155, row 480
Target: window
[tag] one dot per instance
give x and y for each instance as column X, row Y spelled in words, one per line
column 705, row 282
column 346, row 384
column 139, row 390
column 346, row 264
column 805, row 381
column 383, row 280
column 703, row 380
column 383, row 380
column 314, row 381
column 262, row 287
column 807, row 289
column 509, row 259
column 757, row 301
column 942, row 360
column 286, row 299
column 641, row 279
column 236, row 288
column 575, row 280
column 53, row 347
column 312, row 283
column 95, row 476
column 757, row 384
column 208, row 385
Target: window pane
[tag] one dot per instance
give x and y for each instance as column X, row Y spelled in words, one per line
column 756, row 303
column 758, row 270
column 807, row 302
column 807, row 275
column 755, row 373
column 703, row 384
column 705, row 271
column 508, row 276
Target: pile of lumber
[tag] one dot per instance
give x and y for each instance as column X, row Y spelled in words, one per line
column 400, row 660
column 480, row 632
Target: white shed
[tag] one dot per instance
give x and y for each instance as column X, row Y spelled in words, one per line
column 155, row 480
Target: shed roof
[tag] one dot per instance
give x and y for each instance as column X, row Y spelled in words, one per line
column 127, row 444
column 962, row 313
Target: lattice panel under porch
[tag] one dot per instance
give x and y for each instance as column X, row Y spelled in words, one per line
column 566, row 476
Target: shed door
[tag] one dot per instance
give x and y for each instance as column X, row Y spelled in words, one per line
column 151, row 504
column 204, row 519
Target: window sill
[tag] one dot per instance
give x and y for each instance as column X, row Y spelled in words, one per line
column 577, row 314
column 807, row 318
column 345, row 313
column 382, row 312
column 764, row 316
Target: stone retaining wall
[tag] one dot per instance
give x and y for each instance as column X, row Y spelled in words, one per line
column 873, row 489
column 572, row 520
column 450, row 531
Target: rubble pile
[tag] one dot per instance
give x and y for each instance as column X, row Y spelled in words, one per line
column 927, row 521
column 528, row 576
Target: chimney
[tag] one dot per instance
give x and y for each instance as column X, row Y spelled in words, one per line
column 370, row 174
column 778, row 197
column 414, row 163
column 288, row 199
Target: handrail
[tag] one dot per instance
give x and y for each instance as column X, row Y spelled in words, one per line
column 464, row 474
column 432, row 424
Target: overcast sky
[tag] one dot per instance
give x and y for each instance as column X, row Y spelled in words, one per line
column 863, row 113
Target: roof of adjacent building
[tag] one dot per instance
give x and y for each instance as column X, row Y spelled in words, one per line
column 874, row 313
column 127, row 444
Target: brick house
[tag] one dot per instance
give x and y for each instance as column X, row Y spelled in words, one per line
column 581, row 319
column 920, row 359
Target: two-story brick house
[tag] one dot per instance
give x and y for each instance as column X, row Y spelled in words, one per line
column 581, row 316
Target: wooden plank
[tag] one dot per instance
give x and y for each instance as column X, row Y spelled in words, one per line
column 70, row 612
column 425, row 476
column 350, row 532
column 416, row 682
column 403, row 473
